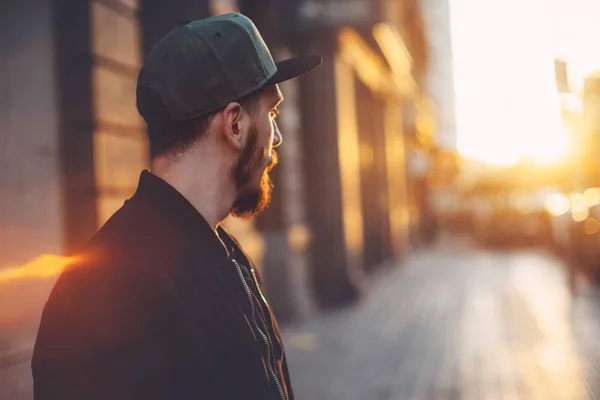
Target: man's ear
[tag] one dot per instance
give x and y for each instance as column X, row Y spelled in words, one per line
column 233, row 125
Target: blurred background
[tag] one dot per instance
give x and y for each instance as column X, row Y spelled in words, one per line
column 435, row 227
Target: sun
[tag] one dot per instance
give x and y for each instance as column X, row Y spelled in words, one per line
column 508, row 107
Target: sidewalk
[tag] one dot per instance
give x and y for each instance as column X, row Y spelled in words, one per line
column 455, row 325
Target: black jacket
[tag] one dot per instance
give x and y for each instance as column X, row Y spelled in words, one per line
column 155, row 307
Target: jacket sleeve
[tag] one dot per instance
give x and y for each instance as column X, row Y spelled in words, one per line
column 96, row 342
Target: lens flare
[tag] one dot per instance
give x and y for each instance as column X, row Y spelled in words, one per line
column 44, row 266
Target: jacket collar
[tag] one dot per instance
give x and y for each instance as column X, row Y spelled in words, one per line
column 168, row 201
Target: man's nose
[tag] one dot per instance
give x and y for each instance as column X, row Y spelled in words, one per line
column 277, row 138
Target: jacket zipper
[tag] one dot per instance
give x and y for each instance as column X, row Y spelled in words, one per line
column 264, row 336
column 265, row 301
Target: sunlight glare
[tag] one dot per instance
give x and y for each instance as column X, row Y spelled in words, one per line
column 507, row 104
column 47, row 265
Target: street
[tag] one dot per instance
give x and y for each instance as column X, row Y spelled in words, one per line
column 455, row 325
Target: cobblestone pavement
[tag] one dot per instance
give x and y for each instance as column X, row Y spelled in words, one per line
column 455, row 325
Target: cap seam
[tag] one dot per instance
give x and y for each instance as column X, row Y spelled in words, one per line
column 262, row 65
column 212, row 50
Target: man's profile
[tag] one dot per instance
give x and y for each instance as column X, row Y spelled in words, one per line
column 162, row 303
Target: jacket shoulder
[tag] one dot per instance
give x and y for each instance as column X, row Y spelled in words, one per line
column 112, row 291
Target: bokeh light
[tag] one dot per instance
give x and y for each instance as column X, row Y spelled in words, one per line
column 557, row 204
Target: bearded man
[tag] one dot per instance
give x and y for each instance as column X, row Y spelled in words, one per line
column 162, row 303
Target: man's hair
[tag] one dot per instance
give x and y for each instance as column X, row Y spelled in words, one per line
column 171, row 138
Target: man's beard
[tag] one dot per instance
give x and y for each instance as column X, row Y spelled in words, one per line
column 251, row 201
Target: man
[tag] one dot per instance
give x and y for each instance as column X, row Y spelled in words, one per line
column 162, row 303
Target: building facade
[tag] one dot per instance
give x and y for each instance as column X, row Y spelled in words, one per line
column 73, row 144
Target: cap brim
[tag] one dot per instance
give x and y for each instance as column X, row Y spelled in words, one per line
column 294, row 67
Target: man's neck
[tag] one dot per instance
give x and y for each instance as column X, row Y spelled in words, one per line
column 207, row 192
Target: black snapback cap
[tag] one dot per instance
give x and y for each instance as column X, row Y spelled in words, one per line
column 201, row 66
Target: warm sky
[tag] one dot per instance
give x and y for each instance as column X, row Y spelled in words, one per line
column 504, row 51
